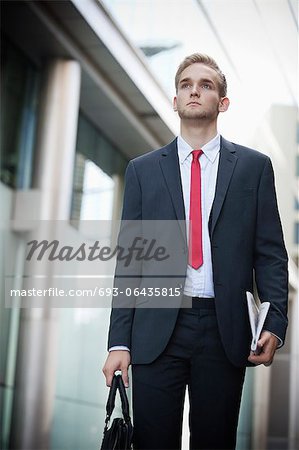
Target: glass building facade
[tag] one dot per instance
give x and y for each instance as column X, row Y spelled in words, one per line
column 19, row 89
column 79, row 393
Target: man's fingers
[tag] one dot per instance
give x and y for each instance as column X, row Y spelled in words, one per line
column 268, row 363
column 262, row 358
column 267, row 345
column 125, row 376
column 109, row 380
column 117, row 360
column 108, row 375
column 253, row 358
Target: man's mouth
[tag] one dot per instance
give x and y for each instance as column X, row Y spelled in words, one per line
column 193, row 103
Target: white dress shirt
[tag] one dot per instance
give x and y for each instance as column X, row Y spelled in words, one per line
column 199, row 282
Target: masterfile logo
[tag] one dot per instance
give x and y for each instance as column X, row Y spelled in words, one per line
column 140, row 249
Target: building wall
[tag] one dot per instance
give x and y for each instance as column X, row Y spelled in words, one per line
column 9, row 319
column 80, row 336
column 274, row 394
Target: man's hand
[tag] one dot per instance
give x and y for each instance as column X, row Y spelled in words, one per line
column 117, row 360
column 266, row 347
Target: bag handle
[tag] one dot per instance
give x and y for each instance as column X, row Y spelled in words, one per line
column 117, row 384
column 124, row 399
column 111, row 397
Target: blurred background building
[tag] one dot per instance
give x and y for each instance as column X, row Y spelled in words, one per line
column 86, row 86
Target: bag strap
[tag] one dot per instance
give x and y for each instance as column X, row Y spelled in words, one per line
column 124, row 399
column 111, row 397
column 117, row 384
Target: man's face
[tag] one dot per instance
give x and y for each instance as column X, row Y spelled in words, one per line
column 198, row 94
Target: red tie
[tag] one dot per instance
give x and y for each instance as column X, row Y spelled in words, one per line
column 195, row 228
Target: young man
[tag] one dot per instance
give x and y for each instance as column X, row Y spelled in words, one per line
column 227, row 191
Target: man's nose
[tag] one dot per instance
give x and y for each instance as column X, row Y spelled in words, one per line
column 195, row 91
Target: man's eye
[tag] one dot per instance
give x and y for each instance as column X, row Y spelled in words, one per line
column 186, row 85
column 206, row 86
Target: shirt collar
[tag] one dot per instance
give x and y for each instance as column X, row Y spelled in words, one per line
column 210, row 149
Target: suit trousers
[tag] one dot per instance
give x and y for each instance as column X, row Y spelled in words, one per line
column 194, row 357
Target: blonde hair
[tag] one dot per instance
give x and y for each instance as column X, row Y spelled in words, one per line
column 208, row 61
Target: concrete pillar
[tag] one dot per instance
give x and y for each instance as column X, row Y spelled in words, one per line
column 56, row 140
column 37, row 345
column 261, row 407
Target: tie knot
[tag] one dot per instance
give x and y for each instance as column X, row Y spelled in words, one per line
column 196, row 154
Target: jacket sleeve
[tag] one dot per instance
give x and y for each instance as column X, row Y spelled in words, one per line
column 270, row 256
column 127, row 276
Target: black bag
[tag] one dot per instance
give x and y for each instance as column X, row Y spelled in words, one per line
column 119, row 435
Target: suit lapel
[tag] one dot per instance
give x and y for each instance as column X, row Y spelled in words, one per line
column 227, row 163
column 169, row 164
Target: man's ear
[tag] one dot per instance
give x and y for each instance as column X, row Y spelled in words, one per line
column 174, row 104
column 223, row 104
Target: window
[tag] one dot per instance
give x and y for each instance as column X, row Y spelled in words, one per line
column 97, row 160
column 19, row 89
column 93, row 197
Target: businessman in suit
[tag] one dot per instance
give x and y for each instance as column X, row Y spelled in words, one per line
column 227, row 191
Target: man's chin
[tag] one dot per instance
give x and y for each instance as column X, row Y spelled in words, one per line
column 198, row 115
column 193, row 115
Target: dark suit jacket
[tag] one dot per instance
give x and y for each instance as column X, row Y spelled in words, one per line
column 246, row 243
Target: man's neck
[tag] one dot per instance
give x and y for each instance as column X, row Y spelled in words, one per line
column 196, row 135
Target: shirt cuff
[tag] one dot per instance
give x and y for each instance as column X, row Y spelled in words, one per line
column 118, row 347
column 280, row 341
